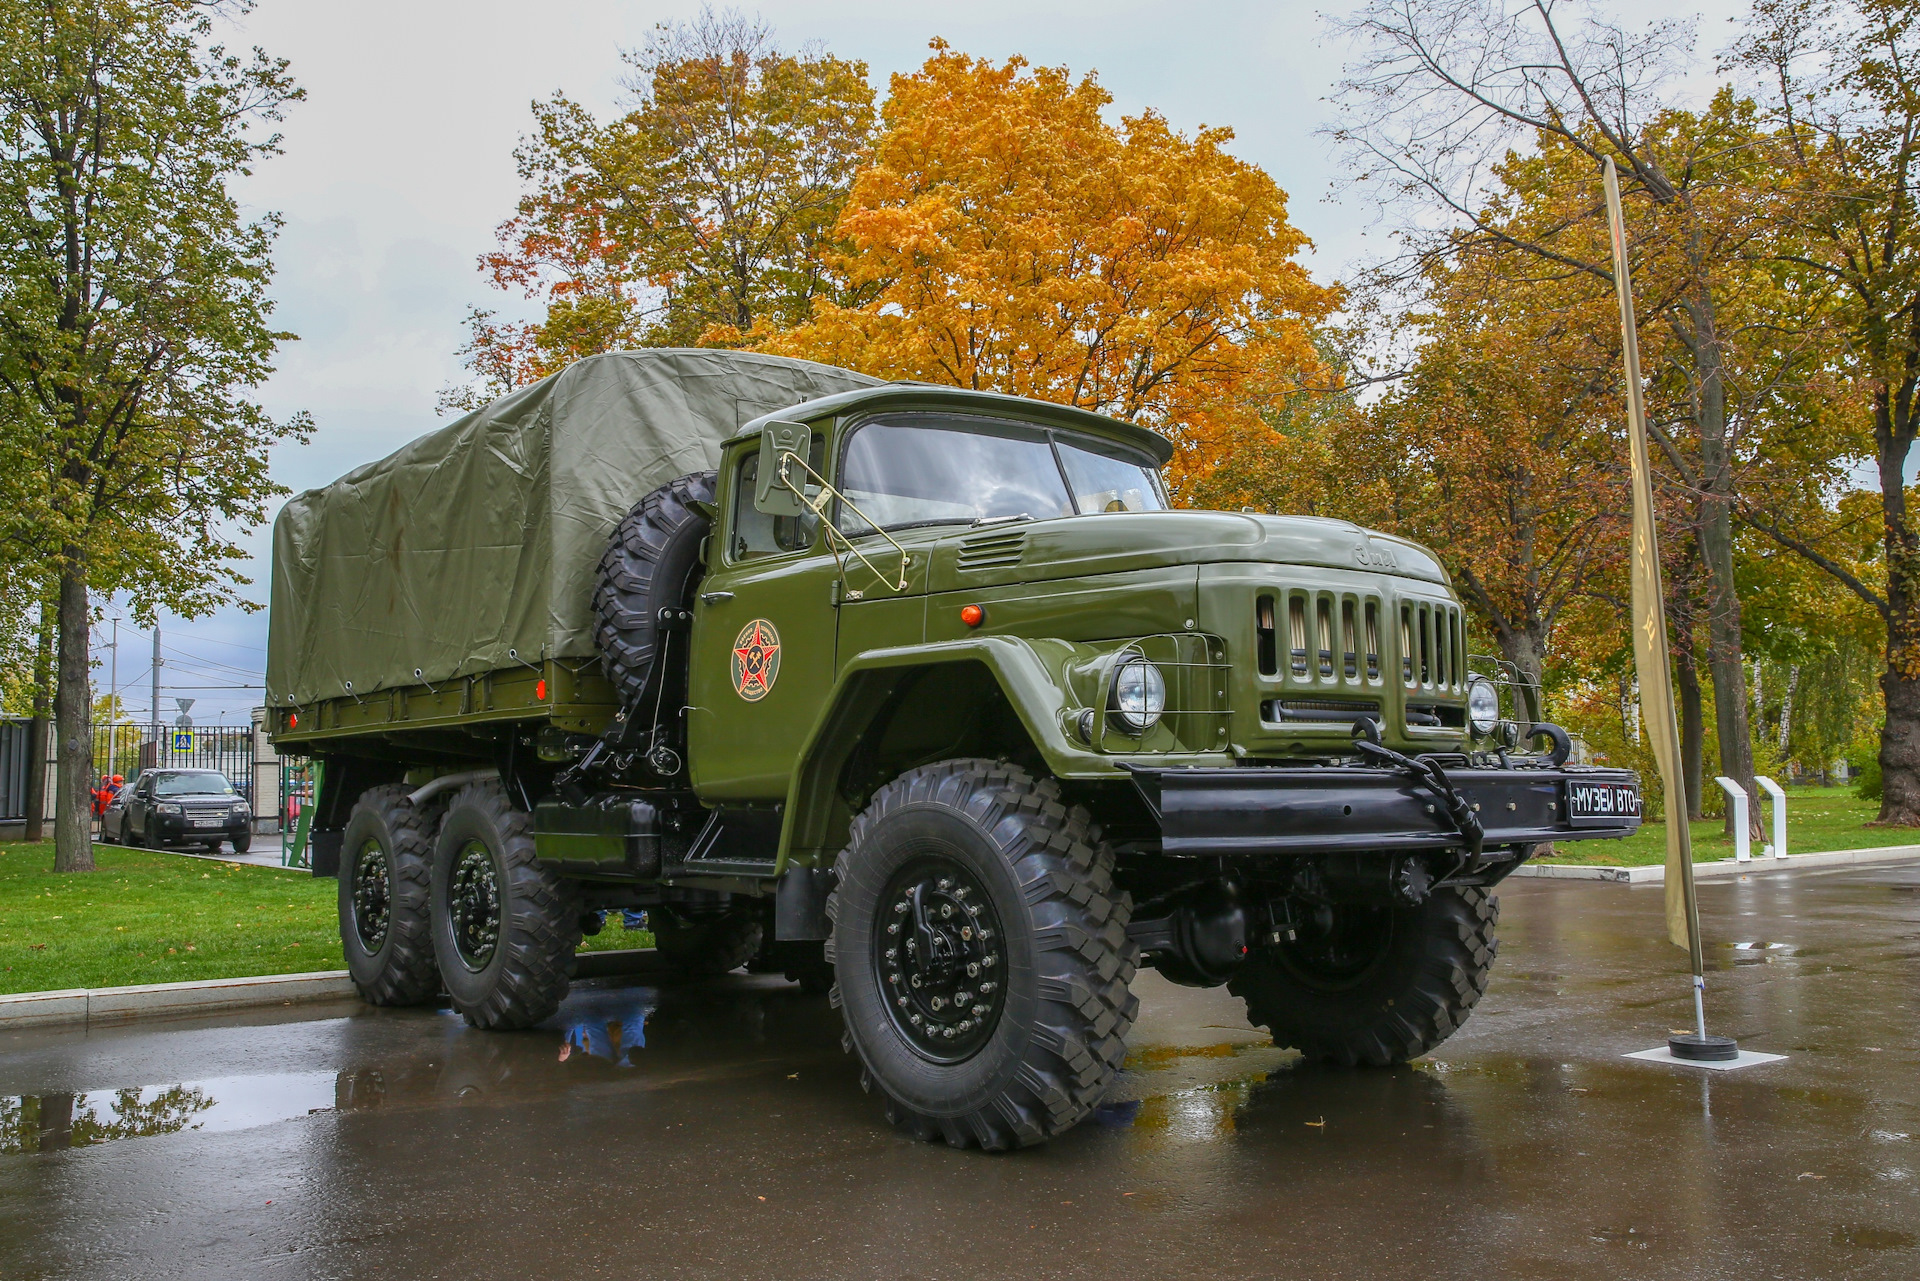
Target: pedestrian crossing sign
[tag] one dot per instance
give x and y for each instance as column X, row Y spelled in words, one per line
column 183, row 740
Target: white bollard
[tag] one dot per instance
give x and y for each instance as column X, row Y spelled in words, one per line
column 1737, row 797
column 1779, row 798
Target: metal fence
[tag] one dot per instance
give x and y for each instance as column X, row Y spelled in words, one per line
column 16, row 767
column 125, row 748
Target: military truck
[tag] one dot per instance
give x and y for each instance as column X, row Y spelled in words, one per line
column 922, row 694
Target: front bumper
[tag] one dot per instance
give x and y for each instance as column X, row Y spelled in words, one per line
column 174, row 829
column 1266, row 811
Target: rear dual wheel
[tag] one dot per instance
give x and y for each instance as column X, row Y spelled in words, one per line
column 980, row 955
column 504, row 928
column 384, row 930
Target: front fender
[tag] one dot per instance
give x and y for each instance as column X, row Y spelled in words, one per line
column 1035, row 676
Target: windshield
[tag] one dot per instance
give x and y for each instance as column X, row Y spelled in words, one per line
column 194, row 783
column 937, row 471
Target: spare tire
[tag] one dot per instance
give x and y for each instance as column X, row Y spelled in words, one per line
column 652, row 563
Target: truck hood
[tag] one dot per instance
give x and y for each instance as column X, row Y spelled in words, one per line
column 1077, row 546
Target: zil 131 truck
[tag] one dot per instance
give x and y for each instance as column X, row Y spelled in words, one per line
column 922, row 694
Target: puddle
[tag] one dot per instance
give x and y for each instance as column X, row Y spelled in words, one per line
column 32, row 1123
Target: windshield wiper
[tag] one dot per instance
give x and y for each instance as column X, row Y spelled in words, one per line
column 1000, row 520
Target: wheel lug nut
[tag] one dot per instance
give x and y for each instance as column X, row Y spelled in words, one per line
column 893, row 927
column 988, row 960
column 946, row 882
column 915, row 980
column 938, row 1003
column 966, row 932
column 892, row 952
column 979, row 1010
column 973, row 969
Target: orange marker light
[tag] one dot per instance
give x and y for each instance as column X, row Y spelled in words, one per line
column 972, row 615
column 540, row 690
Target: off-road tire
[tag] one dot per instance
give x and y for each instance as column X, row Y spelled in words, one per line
column 1431, row 970
column 529, row 964
column 706, row 948
column 401, row 970
column 652, row 562
column 1061, row 1028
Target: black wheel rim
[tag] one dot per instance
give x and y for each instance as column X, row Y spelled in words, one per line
column 474, row 905
column 1336, row 947
column 372, row 896
column 941, row 957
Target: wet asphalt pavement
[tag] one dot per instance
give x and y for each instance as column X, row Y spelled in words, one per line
column 715, row 1130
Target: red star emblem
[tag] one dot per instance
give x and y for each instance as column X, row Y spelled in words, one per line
column 756, row 660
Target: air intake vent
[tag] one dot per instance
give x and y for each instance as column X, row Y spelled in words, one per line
column 1324, row 711
column 990, row 551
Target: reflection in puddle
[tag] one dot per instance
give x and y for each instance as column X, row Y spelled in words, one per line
column 612, row 1035
column 56, row 1121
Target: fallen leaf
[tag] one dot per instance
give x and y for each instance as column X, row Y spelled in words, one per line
column 763, row 1198
column 1321, row 1124
column 1811, row 1175
column 793, row 1076
column 1679, row 1031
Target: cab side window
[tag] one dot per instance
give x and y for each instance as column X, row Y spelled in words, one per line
column 752, row 533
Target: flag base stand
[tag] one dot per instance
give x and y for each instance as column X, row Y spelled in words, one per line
column 1742, row 1059
column 1703, row 1047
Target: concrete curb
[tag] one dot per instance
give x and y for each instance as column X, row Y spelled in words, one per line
column 110, row 1005
column 1657, row 874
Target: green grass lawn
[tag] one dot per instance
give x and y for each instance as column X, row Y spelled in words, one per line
column 149, row 917
column 1818, row 818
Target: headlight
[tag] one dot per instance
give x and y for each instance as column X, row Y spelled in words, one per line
column 1139, row 696
column 1483, row 706
column 240, row 810
column 165, row 808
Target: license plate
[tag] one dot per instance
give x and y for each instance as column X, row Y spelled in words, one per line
column 1602, row 804
column 209, row 822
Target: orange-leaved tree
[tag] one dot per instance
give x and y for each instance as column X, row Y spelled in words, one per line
column 704, row 206
column 1007, row 237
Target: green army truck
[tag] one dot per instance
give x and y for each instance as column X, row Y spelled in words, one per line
column 922, row 694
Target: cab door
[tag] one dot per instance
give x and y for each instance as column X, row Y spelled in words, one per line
column 762, row 662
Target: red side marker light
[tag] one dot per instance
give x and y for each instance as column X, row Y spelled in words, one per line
column 972, row 615
column 293, row 721
column 540, row 690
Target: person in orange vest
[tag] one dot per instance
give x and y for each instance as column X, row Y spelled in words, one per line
column 103, row 794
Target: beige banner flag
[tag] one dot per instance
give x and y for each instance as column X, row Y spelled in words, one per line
column 1650, row 652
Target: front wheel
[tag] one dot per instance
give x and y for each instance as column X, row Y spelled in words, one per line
column 504, row 928
column 981, row 955
column 1374, row 984
column 243, row 842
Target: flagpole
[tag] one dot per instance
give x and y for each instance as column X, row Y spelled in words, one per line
column 1651, row 654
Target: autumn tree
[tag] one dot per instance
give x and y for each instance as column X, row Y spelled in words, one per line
column 700, row 213
column 1844, row 82
column 1006, row 236
column 1510, row 414
column 133, row 323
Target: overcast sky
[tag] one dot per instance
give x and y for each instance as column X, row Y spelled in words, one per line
column 399, row 165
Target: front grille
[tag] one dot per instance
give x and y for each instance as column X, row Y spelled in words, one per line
column 990, row 551
column 1323, row 639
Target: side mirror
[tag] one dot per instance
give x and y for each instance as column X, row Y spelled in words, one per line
column 770, row 494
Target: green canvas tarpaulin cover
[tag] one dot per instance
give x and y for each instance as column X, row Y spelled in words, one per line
column 484, row 536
